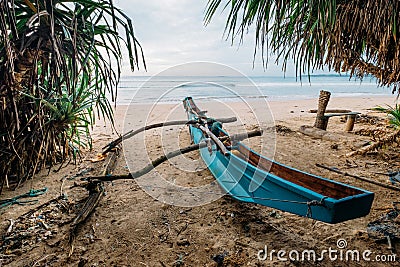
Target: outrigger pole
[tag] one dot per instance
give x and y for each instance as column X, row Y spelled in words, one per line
column 131, row 133
column 133, row 175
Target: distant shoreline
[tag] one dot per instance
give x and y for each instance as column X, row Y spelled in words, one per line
column 279, row 110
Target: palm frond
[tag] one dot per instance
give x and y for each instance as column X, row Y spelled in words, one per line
column 359, row 37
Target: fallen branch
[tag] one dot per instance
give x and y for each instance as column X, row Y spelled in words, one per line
column 359, row 177
column 132, row 133
column 9, row 229
column 111, row 161
column 388, row 139
column 96, row 191
column 158, row 161
column 331, row 111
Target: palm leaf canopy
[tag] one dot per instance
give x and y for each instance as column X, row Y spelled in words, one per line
column 81, row 36
column 358, row 36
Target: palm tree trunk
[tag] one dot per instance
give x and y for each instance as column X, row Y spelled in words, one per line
column 321, row 122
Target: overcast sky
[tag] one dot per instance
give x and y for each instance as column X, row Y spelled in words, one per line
column 172, row 32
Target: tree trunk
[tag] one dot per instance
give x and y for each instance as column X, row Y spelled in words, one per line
column 321, row 122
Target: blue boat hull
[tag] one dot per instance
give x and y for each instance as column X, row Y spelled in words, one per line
column 250, row 183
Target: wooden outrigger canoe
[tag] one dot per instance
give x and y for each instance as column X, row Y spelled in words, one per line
column 247, row 176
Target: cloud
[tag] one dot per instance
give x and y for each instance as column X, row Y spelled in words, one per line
column 172, row 32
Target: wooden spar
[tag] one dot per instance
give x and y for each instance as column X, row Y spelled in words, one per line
column 217, row 141
column 158, row 161
column 205, row 129
column 132, row 133
column 359, row 177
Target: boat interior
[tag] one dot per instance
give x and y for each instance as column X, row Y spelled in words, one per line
column 309, row 181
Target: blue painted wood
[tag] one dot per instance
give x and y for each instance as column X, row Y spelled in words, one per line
column 245, row 182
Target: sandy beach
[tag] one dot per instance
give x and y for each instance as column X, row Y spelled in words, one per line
column 191, row 133
column 138, row 223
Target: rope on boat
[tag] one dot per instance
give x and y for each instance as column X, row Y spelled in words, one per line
column 314, row 203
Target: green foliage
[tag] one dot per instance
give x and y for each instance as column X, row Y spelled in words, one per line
column 58, row 61
column 357, row 36
column 393, row 114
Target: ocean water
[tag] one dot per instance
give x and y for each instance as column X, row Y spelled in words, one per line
column 170, row 89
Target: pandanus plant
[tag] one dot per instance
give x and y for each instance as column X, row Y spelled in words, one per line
column 59, row 60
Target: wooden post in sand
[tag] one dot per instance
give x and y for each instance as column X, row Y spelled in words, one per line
column 321, row 122
column 350, row 120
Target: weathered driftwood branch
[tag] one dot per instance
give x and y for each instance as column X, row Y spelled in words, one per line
column 96, row 192
column 331, row 111
column 111, row 161
column 388, row 139
column 158, row 161
column 359, row 177
column 132, row 133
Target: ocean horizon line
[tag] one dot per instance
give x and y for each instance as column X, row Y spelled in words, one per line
column 174, row 88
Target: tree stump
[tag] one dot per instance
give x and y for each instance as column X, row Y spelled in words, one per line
column 350, row 120
column 321, row 122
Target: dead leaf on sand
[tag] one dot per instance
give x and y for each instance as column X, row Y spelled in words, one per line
column 99, row 157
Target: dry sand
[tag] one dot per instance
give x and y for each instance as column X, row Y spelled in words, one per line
column 134, row 226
